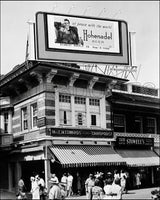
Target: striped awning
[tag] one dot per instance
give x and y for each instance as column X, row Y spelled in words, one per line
column 86, row 155
column 157, row 150
column 139, row 157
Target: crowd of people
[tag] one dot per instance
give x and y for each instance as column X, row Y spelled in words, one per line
column 97, row 186
column 112, row 187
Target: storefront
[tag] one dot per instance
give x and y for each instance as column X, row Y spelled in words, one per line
column 140, row 158
column 81, row 160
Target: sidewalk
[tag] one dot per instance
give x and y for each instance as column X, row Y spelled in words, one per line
column 132, row 194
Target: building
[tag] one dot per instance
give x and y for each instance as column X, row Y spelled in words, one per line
column 58, row 118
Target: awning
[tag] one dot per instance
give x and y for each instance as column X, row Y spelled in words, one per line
column 87, row 155
column 157, row 150
column 139, row 157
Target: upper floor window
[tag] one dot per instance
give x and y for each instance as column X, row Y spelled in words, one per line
column 34, row 115
column 119, row 123
column 93, row 120
column 6, row 122
column 151, row 125
column 80, row 119
column 65, row 117
column 24, row 119
column 94, row 102
column 64, row 98
column 80, row 100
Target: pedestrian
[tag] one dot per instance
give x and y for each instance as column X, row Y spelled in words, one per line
column 116, row 190
column 64, row 181
column 97, row 192
column 89, row 184
column 79, row 184
column 116, row 175
column 107, row 188
column 138, row 180
column 127, row 181
column 69, row 185
column 21, row 187
column 63, row 190
column 123, row 183
column 54, row 177
column 35, row 188
column 55, row 191
column 41, row 184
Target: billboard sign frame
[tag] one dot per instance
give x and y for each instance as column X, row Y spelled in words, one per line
column 110, row 40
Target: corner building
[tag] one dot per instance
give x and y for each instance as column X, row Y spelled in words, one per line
column 55, row 118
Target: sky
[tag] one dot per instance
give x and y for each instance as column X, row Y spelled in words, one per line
column 141, row 16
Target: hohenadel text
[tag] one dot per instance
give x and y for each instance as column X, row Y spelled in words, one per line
column 87, row 35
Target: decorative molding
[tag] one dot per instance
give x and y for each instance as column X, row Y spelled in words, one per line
column 50, row 75
column 92, row 82
column 73, row 78
column 38, row 76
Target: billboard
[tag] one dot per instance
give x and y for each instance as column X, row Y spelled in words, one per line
column 81, row 39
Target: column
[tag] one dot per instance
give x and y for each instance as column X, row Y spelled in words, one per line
column 46, row 167
column 18, row 173
column 10, row 122
column 88, row 113
column 152, row 175
column 31, row 41
column 56, row 107
column 72, row 111
column 9, row 177
column 2, row 120
column 103, row 112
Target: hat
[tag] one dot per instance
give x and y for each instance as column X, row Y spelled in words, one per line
column 53, row 181
column 109, row 173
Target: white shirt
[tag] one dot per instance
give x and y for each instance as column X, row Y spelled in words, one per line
column 64, row 179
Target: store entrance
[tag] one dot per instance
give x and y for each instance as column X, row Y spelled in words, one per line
column 29, row 168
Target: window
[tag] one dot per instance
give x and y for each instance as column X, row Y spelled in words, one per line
column 65, row 117
column 93, row 120
column 24, row 119
column 64, row 98
column 80, row 100
column 119, row 123
column 80, row 119
column 6, row 122
column 94, row 102
column 151, row 125
column 34, row 115
column 138, row 125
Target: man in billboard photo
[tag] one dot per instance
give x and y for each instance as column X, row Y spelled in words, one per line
column 66, row 34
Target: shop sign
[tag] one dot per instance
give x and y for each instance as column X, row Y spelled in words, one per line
column 41, row 122
column 80, row 133
column 132, row 141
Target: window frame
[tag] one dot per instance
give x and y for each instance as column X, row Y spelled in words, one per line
column 114, row 125
column 34, row 116
column 92, row 124
column 80, row 100
column 6, row 122
column 155, row 125
column 94, row 102
column 64, row 98
column 24, row 120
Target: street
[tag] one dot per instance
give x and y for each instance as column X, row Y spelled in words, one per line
column 132, row 194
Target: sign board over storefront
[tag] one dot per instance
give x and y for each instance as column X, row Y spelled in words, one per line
column 132, row 141
column 81, row 39
column 80, row 133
